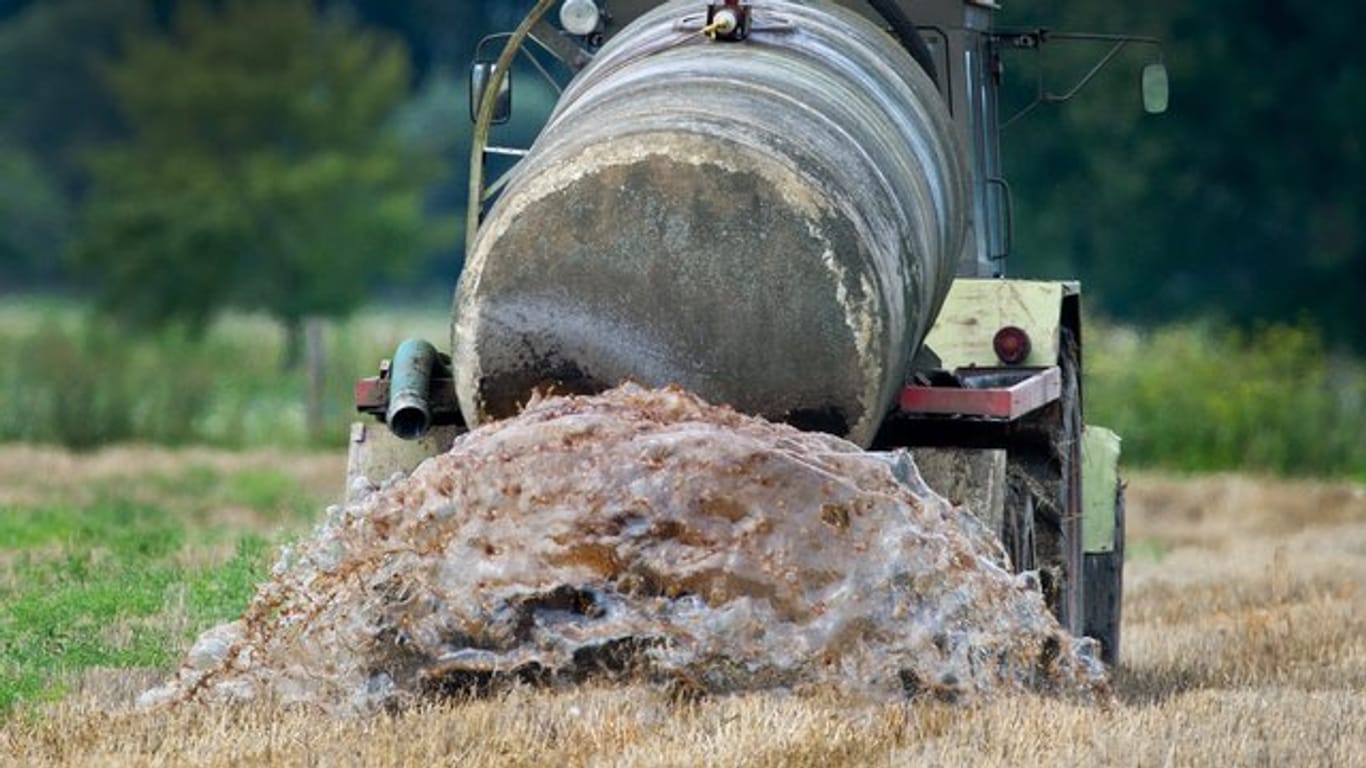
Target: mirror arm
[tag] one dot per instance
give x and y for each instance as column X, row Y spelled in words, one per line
column 480, row 135
column 545, row 73
column 1059, row 98
column 535, row 62
column 1025, row 110
column 1038, row 87
column 559, row 46
column 1034, row 39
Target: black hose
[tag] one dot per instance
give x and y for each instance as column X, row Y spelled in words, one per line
column 905, row 30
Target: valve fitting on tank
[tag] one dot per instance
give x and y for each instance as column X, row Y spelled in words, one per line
column 727, row 20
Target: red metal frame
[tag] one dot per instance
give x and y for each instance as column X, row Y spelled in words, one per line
column 1040, row 388
column 1009, row 403
column 372, row 394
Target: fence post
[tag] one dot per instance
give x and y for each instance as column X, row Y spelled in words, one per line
column 315, row 359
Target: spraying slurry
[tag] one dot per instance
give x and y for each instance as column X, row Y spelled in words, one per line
column 641, row 534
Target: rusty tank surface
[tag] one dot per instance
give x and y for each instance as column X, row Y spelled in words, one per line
column 771, row 225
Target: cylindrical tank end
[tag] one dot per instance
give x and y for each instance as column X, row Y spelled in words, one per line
column 770, row 224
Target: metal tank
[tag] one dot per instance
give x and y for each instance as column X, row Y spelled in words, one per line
column 771, row 223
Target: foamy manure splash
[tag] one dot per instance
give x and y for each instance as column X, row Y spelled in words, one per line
column 646, row 535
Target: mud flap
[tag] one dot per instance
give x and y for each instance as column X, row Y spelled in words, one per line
column 1103, row 539
column 375, row 454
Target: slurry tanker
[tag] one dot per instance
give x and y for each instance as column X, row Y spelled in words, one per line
column 796, row 209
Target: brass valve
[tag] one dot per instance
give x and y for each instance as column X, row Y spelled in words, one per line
column 727, row 21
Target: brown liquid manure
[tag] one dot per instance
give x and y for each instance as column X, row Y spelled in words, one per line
column 641, row 535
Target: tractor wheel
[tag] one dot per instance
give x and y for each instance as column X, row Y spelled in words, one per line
column 1067, row 449
column 1044, row 481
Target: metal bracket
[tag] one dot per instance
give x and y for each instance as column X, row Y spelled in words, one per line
column 760, row 21
column 1034, row 40
column 372, row 394
column 728, row 20
column 982, row 395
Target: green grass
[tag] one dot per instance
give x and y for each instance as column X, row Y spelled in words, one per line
column 60, row 623
column 1146, row 549
column 123, row 582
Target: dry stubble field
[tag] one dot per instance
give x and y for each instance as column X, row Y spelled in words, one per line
column 1245, row 645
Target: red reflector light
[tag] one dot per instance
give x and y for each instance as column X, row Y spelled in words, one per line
column 1011, row 345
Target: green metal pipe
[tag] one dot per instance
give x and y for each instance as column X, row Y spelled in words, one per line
column 410, row 379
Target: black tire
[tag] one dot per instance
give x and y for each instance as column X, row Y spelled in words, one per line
column 1104, row 575
column 1072, row 611
column 1045, row 470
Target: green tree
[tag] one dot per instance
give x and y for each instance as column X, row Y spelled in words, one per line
column 261, row 171
column 53, row 102
column 34, row 220
column 53, row 106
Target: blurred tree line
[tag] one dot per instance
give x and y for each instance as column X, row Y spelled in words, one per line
column 294, row 155
column 1243, row 203
column 173, row 159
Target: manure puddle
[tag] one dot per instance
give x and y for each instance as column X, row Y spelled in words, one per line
column 640, row 534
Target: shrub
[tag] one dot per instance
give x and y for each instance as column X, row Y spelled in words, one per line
column 70, row 378
column 1186, row 397
column 1195, row 398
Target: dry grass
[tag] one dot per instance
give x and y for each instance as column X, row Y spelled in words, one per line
column 37, row 474
column 1270, row 726
column 1245, row 645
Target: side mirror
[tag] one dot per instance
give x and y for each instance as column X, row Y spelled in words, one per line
column 481, row 74
column 1155, row 89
